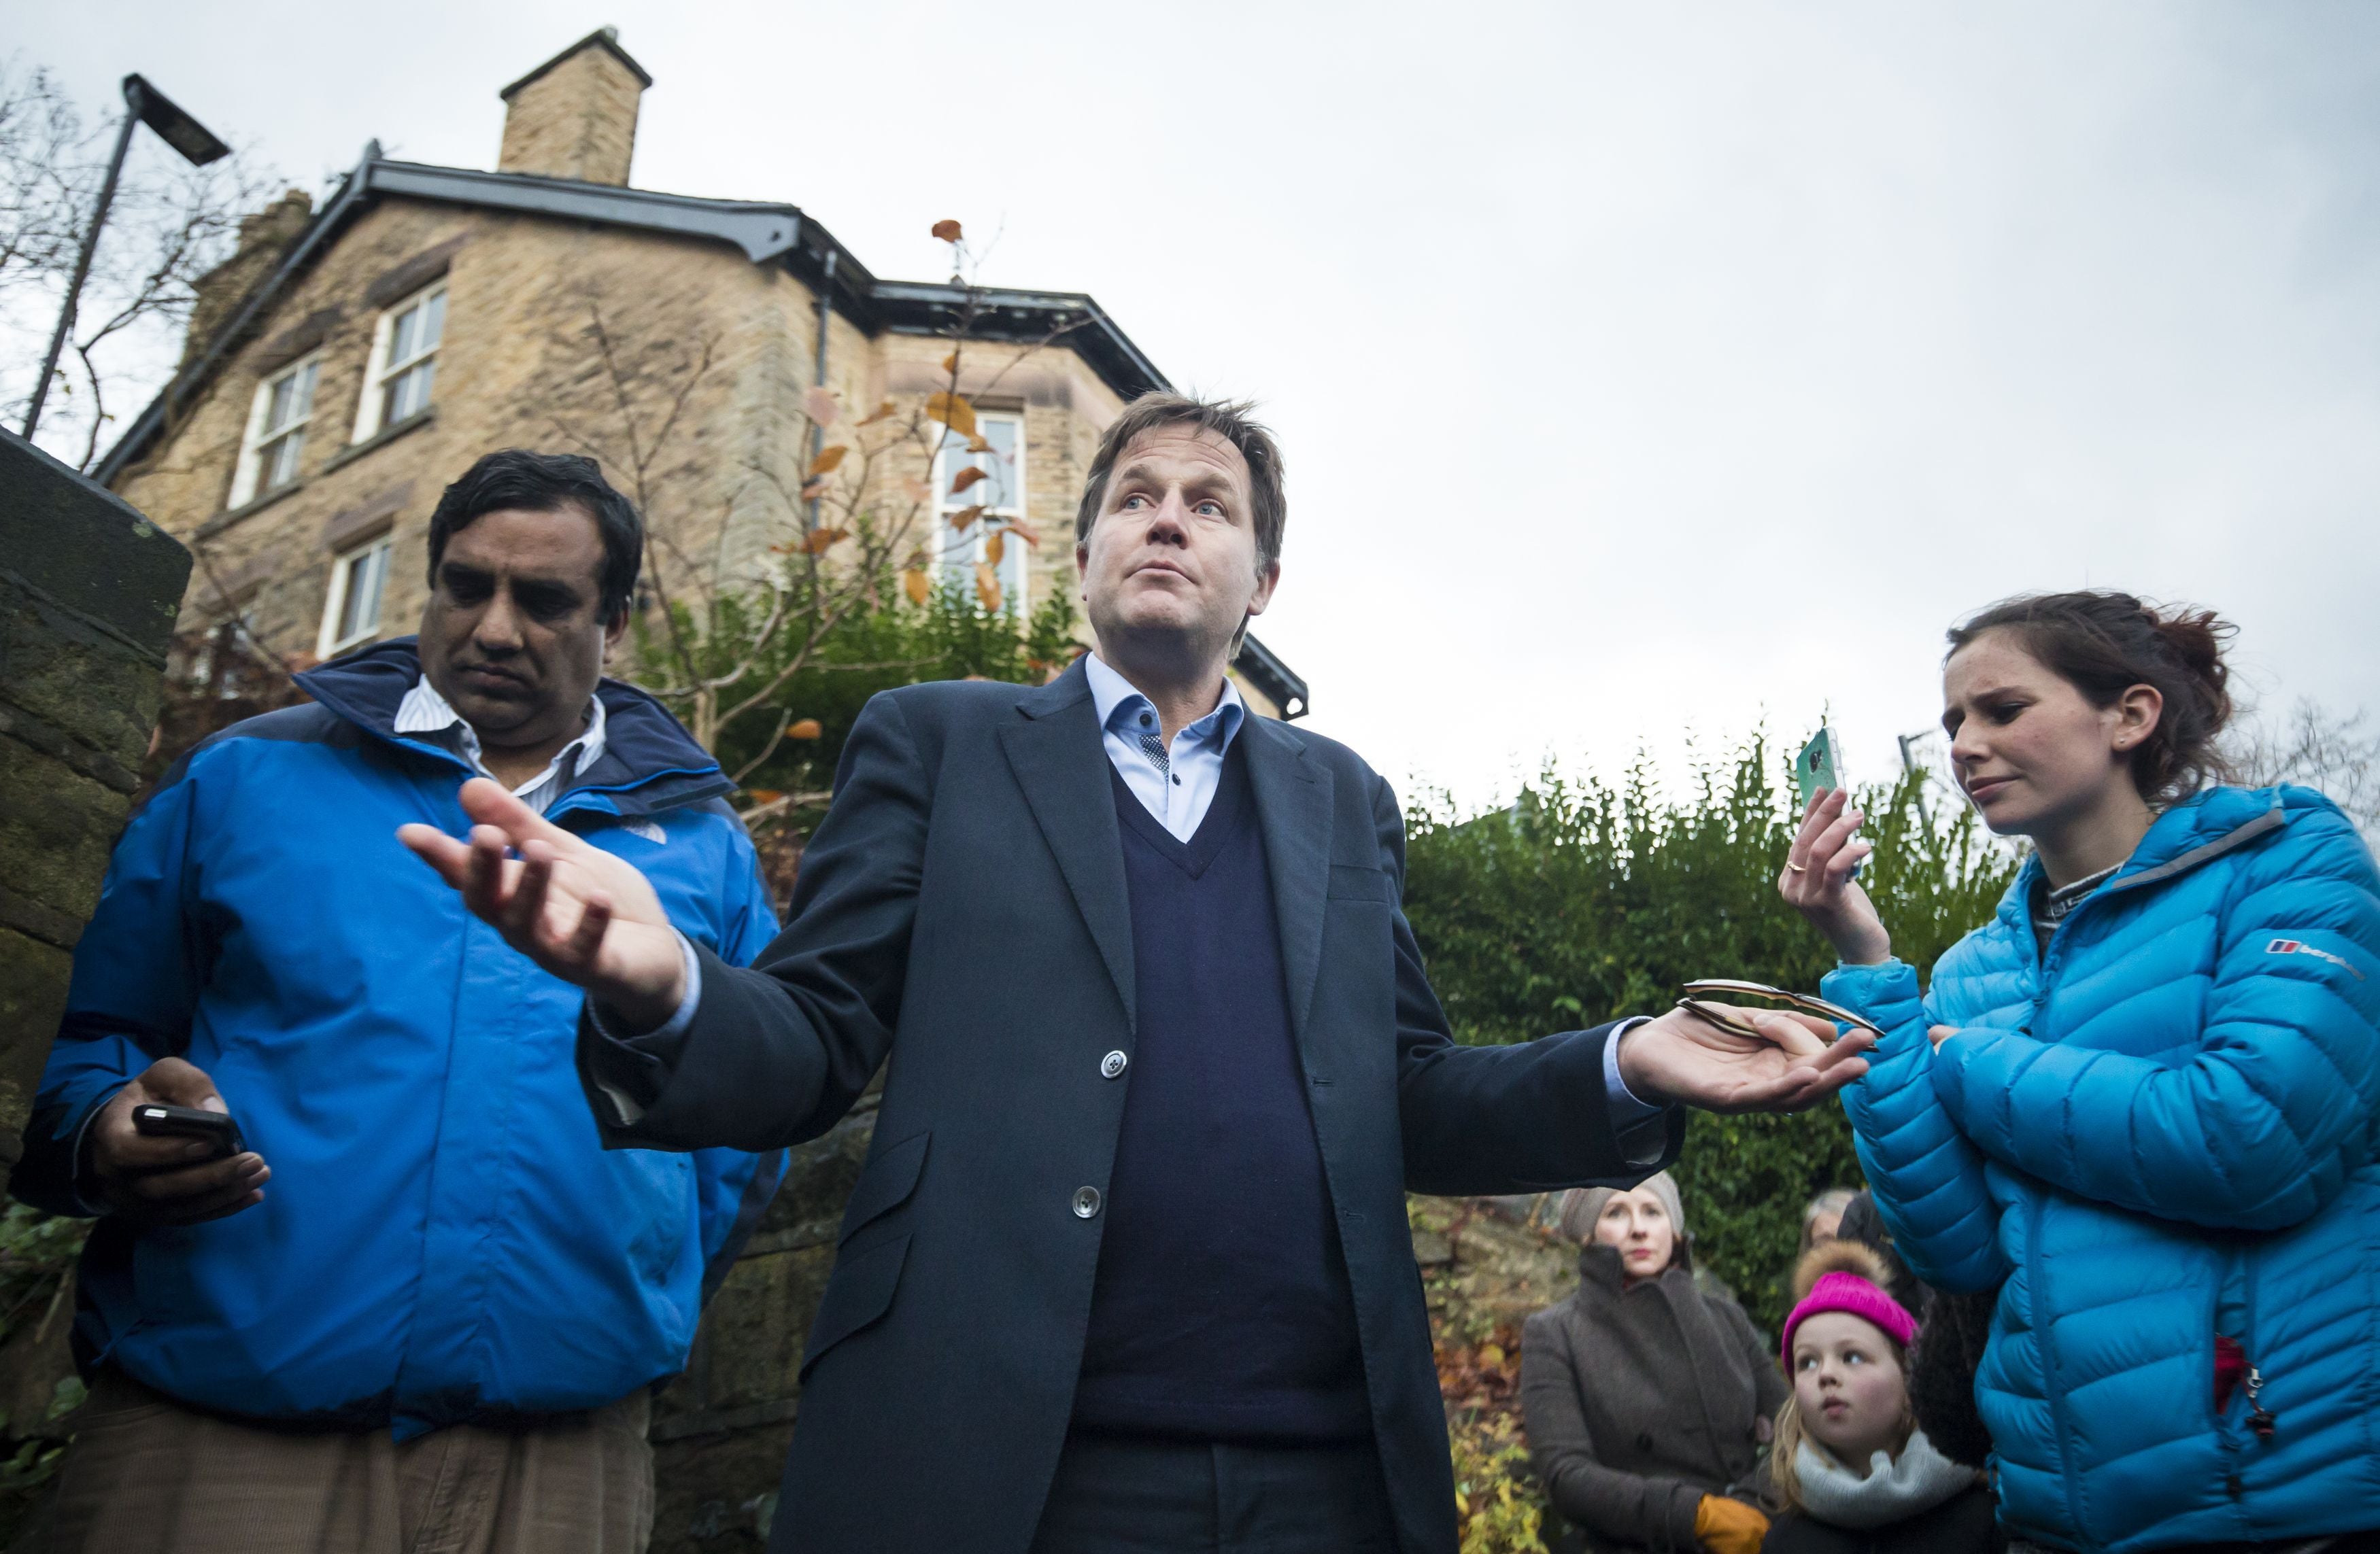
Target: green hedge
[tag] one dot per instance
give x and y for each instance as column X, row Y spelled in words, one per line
column 1584, row 902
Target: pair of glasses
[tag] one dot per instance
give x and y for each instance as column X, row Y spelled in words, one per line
column 1763, row 996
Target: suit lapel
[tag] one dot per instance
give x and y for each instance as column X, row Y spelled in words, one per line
column 1055, row 750
column 1293, row 807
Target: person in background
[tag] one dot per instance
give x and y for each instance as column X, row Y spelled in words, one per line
column 433, row 1319
column 1647, row 1400
column 2141, row 1100
column 1822, row 1217
column 1855, row 1473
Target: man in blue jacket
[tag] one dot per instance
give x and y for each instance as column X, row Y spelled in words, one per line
column 423, row 1303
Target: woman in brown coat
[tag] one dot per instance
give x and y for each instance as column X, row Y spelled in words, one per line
column 1646, row 1399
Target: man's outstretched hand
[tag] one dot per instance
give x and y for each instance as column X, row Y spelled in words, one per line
column 583, row 914
column 1794, row 1062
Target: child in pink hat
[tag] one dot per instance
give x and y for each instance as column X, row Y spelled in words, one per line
column 1850, row 1465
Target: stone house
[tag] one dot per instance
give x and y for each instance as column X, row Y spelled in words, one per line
column 353, row 360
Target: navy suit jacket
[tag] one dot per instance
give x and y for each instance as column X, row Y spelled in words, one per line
column 962, row 909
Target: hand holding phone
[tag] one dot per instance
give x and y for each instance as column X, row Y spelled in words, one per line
column 161, row 1152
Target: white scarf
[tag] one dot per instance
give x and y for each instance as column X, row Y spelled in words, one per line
column 1893, row 1490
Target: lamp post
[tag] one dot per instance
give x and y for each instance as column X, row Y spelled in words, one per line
column 143, row 103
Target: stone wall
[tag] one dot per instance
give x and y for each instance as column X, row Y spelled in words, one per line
column 88, row 593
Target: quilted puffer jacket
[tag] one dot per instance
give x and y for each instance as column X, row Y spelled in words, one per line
column 2158, row 1131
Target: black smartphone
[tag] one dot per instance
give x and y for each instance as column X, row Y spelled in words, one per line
column 189, row 1122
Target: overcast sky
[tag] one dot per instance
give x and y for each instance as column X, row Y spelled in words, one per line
column 1641, row 370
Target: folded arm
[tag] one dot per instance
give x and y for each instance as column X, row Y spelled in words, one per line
column 2259, row 1129
column 1656, row 1513
column 1927, row 1177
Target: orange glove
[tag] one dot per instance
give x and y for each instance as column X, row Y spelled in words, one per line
column 1728, row 1526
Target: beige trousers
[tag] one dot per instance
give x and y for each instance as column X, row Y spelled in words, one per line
column 147, row 1475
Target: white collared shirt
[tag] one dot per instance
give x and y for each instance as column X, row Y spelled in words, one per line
column 1179, row 787
column 423, row 710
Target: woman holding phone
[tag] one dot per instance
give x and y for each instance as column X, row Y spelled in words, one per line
column 2141, row 1101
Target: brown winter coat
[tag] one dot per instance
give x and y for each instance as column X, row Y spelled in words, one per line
column 1641, row 1401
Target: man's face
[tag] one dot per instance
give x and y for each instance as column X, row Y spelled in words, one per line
column 1173, row 553
column 514, row 635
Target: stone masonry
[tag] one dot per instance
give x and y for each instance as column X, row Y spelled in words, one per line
column 88, row 592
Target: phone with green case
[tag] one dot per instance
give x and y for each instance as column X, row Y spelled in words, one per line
column 1819, row 765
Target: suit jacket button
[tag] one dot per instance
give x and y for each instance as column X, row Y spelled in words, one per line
column 1113, row 1066
column 1086, row 1202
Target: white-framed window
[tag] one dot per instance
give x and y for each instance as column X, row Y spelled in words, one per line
column 351, row 612
column 1000, row 493
column 276, row 432
column 404, row 360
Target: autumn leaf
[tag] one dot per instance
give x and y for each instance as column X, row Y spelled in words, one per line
column 827, row 460
column 987, row 587
column 965, row 478
column 975, row 445
column 820, row 538
column 819, row 406
column 1024, row 531
column 994, row 549
column 815, row 490
column 914, row 584
column 763, row 795
column 965, row 515
column 951, row 363
column 807, row 728
column 877, row 414
column 948, row 231
column 953, row 411
column 1491, row 1355
column 915, row 489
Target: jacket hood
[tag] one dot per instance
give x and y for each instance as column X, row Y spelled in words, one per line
column 2201, row 828
column 650, row 762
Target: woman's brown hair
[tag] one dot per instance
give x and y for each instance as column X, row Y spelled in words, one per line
column 2103, row 643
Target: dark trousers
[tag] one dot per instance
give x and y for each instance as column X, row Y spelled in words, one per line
column 1115, row 1495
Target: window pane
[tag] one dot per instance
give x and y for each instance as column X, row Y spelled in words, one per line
column 276, row 407
column 302, row 390
column 998, row 489
column 433, row 321
column 408, row 392
column 400, row 334
column 359, row 614
column 277, row 464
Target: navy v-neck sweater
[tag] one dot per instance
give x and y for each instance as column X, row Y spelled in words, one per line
column 1222, row 1309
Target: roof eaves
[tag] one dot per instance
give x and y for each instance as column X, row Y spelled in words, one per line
column 333, row 215
column 762, row 231
column 934, row 308
column 1264, row 669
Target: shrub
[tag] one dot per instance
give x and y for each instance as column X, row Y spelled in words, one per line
column 1583, row 901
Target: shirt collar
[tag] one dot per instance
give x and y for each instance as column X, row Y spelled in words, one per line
column 423, row 710
column 1118, row 704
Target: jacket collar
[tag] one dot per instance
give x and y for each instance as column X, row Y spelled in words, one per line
column 650, row 762
column 2197, row 830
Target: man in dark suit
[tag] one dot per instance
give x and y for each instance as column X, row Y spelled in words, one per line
column 1128, row 1265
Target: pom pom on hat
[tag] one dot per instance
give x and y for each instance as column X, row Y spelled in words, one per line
column 1849, row 1277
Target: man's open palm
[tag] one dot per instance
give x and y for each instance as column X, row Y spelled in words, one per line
column 575, row 910
column 1795, row 1062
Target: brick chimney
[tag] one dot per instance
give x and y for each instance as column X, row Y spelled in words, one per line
column 263, row 238
column 575, row 116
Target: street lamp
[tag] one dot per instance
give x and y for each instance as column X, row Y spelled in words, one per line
column 143, row 104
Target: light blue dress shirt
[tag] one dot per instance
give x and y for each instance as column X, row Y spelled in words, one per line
column 1175, row 781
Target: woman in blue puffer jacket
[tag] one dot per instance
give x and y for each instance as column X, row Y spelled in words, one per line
column 2141, row 1101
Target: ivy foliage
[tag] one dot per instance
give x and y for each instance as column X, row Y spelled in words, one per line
column 1584, row 902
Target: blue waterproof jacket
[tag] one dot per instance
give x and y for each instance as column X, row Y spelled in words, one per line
column 444, row 1237
column 2160, row 1130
